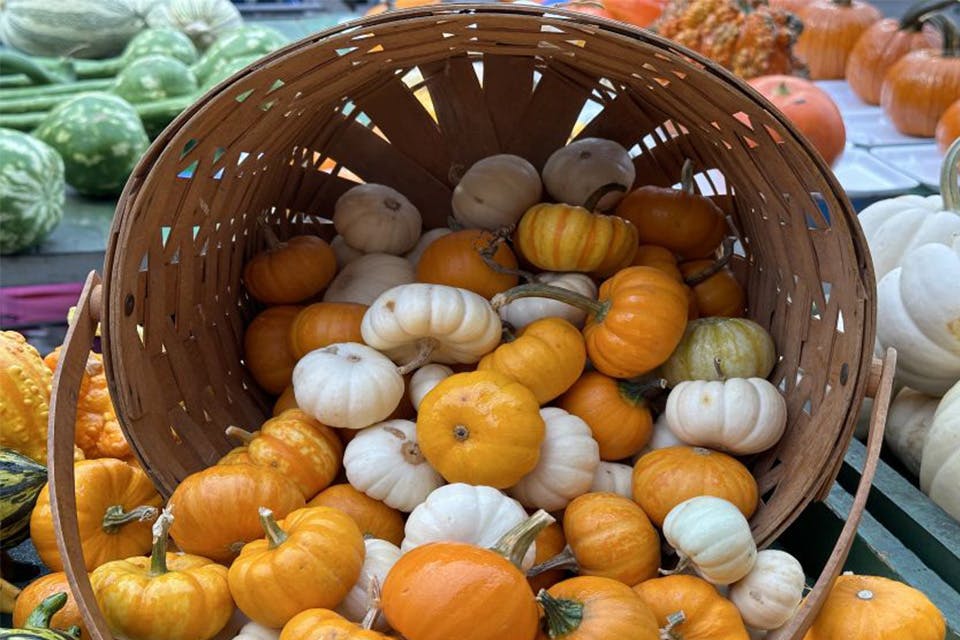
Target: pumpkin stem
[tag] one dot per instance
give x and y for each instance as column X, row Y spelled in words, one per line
column 270, row 236
column 425, row 348
column 373, row 604
column 564, row 560
column 843, row 3
column 682, row 566
column 539, row 290
column 673, row 620
column 40, row 617
column 489, row 250
column 241, row 435
column 948, row 30
column 719, row 368
column 275, row 535
column 158, row 555
column 949, row 188
column 636, row 391
column 726, row 254
column 515, row 543
column 561, row 616
column 115, row 517
column 687, row 183
column 912, row 19
column 594, row 198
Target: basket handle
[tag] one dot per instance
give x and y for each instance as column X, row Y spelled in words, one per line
column 61, row 434
column 879, row 387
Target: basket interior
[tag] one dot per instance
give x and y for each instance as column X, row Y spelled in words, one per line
column 285, row 138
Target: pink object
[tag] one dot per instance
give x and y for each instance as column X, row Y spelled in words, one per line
column 38, row 304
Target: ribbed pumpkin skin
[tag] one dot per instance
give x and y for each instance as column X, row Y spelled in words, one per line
column 830, row 31
column 449, row 590
column 24, row 397
column 709, row 616
column 918, row 89
column 876, row 50
column 21, row 480
column 372, row 516
column 611, row 610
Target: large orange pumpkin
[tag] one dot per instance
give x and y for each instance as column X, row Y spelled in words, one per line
column 457, row 260
column 830, row 31
column 664, row 478
column 885, row 42
column 919, row 88
column 810, row 109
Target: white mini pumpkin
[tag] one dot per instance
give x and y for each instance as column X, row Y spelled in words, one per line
column 460, row 512
column 366, row 277
column 940, row 466
column 425, row 241
column 345, row 253
column 384, row 462
column 908, row 422
column 347, row 385
column 379, row 559
column 574, row 172
column 712, row 535
column 613, row 477
column 769, row 595
column 424, row 379
column 739, row 415
column 918, row 313
column 661, row 438
column 568, row 461
column 419, row 323
column 375, row 218
column 495, row 192
column 522, row 312
column 255, row 631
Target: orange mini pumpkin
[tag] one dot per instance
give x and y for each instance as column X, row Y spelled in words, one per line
column 594, row 608
column 324, row 323
column 550, row 542
column 457, row 260
column 664, row 478
column 948, row 127
column 290, row 271
column 706, row 615
column 372, row 516
column 719, row 294
column 266, row 348
column 318, row 624
column 35, row 593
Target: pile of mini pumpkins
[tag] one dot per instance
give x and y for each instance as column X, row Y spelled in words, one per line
column 449, row 444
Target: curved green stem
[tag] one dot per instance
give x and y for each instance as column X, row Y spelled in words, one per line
column 425, row 349
column 635, row 391
column 673, row 620
column 115, row 517
column 158, row 555
column 515, row 543
column 40, row 617
column 687, row 183
column 948, row 31
column 594, row 198
column 912, row 19
column 949, row 188
column 715, row 268
column 275, row 535
column 564, row 560
column 539, row 290
column 561, row 616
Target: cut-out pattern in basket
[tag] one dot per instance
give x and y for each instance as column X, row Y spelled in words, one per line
column 411, row 100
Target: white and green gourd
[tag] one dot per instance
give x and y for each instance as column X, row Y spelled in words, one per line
column 32, row 191
column 202, row 20
column 100, row 138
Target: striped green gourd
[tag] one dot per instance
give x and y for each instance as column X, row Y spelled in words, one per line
column 21, row 480
column 32, row 191
column 37, row 626
column 100, row 138
column 78, row 28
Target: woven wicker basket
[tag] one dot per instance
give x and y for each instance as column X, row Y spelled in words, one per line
column 501, row 78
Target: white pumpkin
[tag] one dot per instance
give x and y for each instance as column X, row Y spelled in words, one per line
column 420, row 323
column 918, row 313
column 366, row 277
column 940, row 466
column 660, row 438
column 425, row 241
column 895, row 227
column 255, row 631
column 739, row 415
column 569, row 457
column 460, row 512
column 379, row 559
column 347, row 385
column 203, row 21
column 375, row 218
column 613, row 477
column 769, row 595
column 495, row 192
column 574, row 172
column 522, row 312
column 711, row 534
column 424, row 379
column 384, row 462
column 345, row 253
column 908, row 422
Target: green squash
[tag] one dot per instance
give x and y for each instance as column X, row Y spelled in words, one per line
column 717, row 348
column 153, row 78
column 21, row 480
column 32, row 191
column 239, row 43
